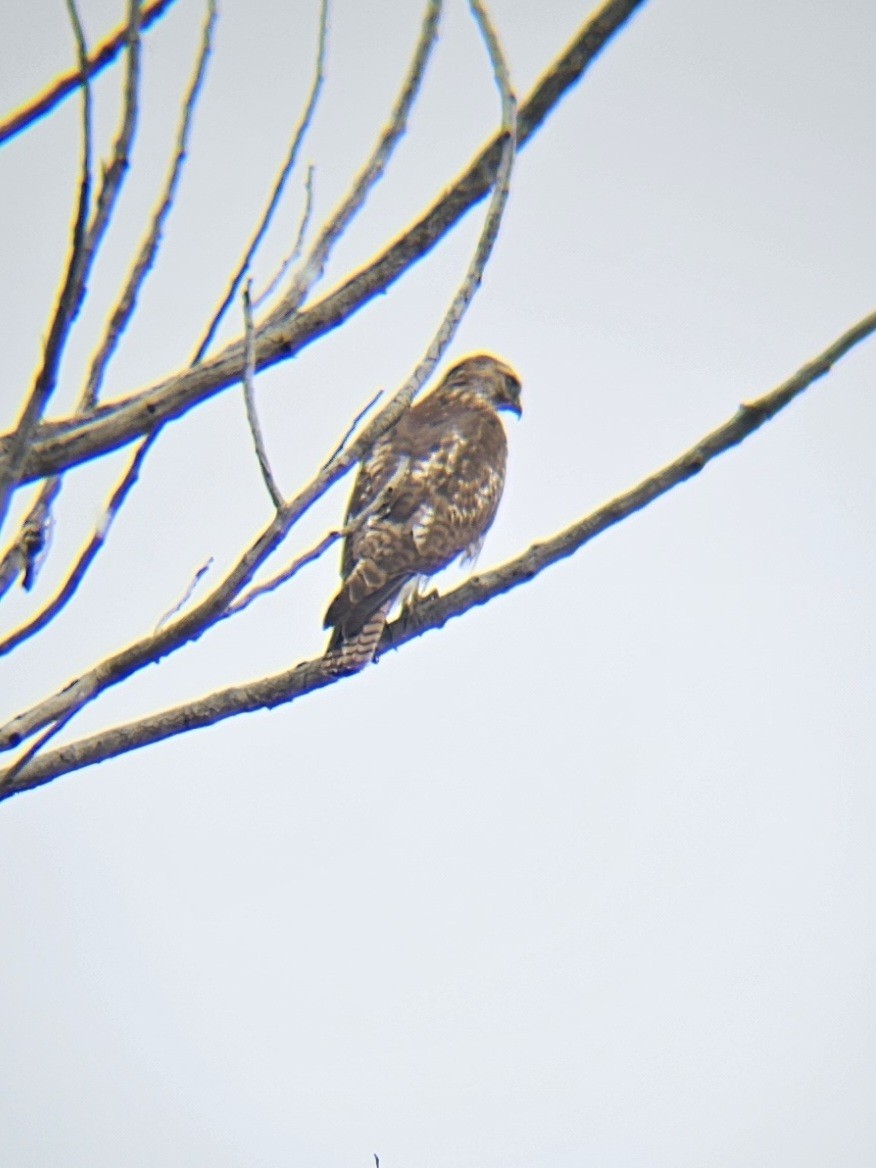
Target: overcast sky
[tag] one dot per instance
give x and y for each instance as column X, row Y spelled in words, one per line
column 588, row 877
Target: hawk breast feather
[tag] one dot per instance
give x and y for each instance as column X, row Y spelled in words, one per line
column 442, row 470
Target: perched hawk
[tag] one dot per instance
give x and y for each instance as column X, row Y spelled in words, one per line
column 433, row 483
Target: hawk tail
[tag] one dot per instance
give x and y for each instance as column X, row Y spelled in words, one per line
column 349, row 656
column 359, row 624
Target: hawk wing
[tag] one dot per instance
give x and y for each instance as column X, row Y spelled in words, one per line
column 448, row 461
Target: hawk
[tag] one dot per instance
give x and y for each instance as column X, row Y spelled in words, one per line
column 426, row 493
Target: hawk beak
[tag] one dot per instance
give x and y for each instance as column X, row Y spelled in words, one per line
column 512, row 399
column 512, row 393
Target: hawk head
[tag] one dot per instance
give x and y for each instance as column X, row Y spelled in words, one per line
column 487, row 379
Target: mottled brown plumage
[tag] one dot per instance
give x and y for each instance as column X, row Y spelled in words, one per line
column 436, row 478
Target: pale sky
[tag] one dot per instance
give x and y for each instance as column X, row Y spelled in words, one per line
column 587, row 878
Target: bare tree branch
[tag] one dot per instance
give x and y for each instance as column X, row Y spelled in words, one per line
column 275, row 582
column 36, row 109
column 78, row 572
column 279, row 186
column 86, row 243
column 265, row 694
column 32, row 535
column 252, row 416
column 314, row 265
column 127, row 302
column 353, row 427
column 304, row 222
column 188, row 594
column 24, row 555
column 66, row 443
column 431, row 613
column 40, row 741
column 67, row 305
column 114, row 173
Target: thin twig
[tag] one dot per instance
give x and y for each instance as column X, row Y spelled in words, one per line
column 271, row 585
column 116, row 169
column 187, row 595
column 314, row 265
column 252, row 416
column 87, row 110
column 38, row 107
column 293, row 255
column 353, row 427
column 431, row 613
column 279, row 186
column 86, row 557
column 146, row 256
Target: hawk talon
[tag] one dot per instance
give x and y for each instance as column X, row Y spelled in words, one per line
column 420, row 600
